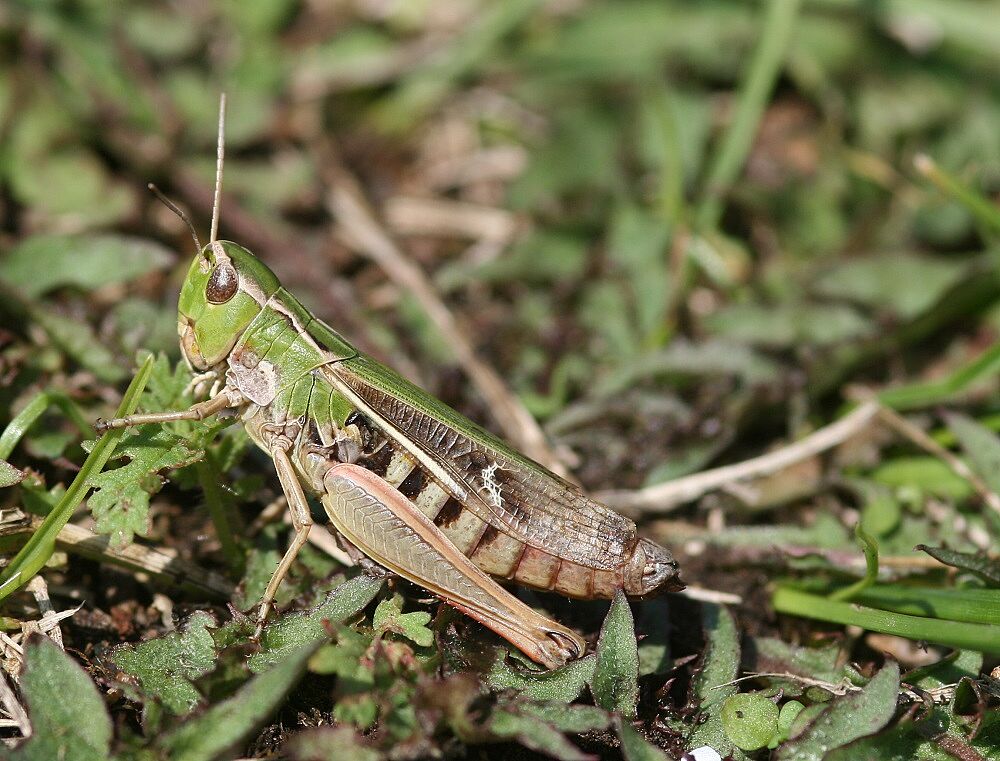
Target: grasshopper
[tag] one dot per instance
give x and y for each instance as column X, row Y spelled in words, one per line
column 405, row 480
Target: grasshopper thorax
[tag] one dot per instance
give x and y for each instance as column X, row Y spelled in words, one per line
column 225, row 288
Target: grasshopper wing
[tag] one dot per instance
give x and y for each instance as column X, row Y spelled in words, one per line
column 501, row 486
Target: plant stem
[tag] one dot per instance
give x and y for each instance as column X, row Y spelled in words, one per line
column 39, row 548
column 958, row 634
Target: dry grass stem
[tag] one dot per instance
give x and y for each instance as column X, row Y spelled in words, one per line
column 673, row 494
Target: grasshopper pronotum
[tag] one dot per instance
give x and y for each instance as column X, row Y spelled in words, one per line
column 404, row 479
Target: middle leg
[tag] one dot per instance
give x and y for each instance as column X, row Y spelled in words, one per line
column 302, row 522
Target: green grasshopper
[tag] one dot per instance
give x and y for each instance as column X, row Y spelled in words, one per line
column 405, row 480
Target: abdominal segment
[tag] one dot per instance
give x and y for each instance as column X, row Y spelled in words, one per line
column 492, row 549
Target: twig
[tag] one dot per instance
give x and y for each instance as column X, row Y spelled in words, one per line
column 908, row 430
column 710, row 595
column 672, row 494
column 161, row 563
column 40, row 591
column 348, row 204
column 408, row 215
column 841, row 688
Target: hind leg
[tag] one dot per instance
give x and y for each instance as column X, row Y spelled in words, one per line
column 390, row 529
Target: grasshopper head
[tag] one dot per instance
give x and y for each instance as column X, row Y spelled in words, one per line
column 224, row 290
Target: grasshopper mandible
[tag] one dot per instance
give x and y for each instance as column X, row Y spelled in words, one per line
column 407, row 481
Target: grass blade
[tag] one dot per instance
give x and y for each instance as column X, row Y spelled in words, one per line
column 763, row 73
column 959, row 634
column 40, row 546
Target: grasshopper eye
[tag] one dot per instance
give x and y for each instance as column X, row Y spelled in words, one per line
column 222, row 285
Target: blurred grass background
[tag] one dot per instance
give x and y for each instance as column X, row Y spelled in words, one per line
column 564, row 172
column 681, row 232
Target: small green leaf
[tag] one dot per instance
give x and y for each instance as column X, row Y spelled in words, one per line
column 43, row 262
column 296, row 629
column 534, row 734
column 980, row 564
column 120, row 502
column 41, row 545
column 615, row 684
column 786, row 718
column 903, row 282
column 635, row 747
column 389, row 617
column 575, row 719
column 9, row 475
column 165, row 667
column 749, row 719
column 847, row 718
column 227, row 724
column 563, row 684
column 68, row 717
column 713, row 683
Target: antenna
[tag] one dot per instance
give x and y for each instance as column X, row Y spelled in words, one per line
column 178, row 211
column 220, row 158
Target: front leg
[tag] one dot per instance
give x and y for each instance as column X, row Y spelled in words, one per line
column 390, row 529
column 226, row 399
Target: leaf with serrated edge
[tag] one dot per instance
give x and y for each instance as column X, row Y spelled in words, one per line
column 166, row 666
column 296, row 629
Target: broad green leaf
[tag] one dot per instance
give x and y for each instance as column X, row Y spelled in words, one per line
column 575, row 719
column 296, row 629
column 789, row 324
column 847, row 718
column 615, row 683
column 928, row 474
column 43, row 262
column 78, row 341
column 68, row 718
column 227, row 724
column 165, row 667
column 563, row 684
column 903, row 282
column 87, row 193
column 772, row 655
